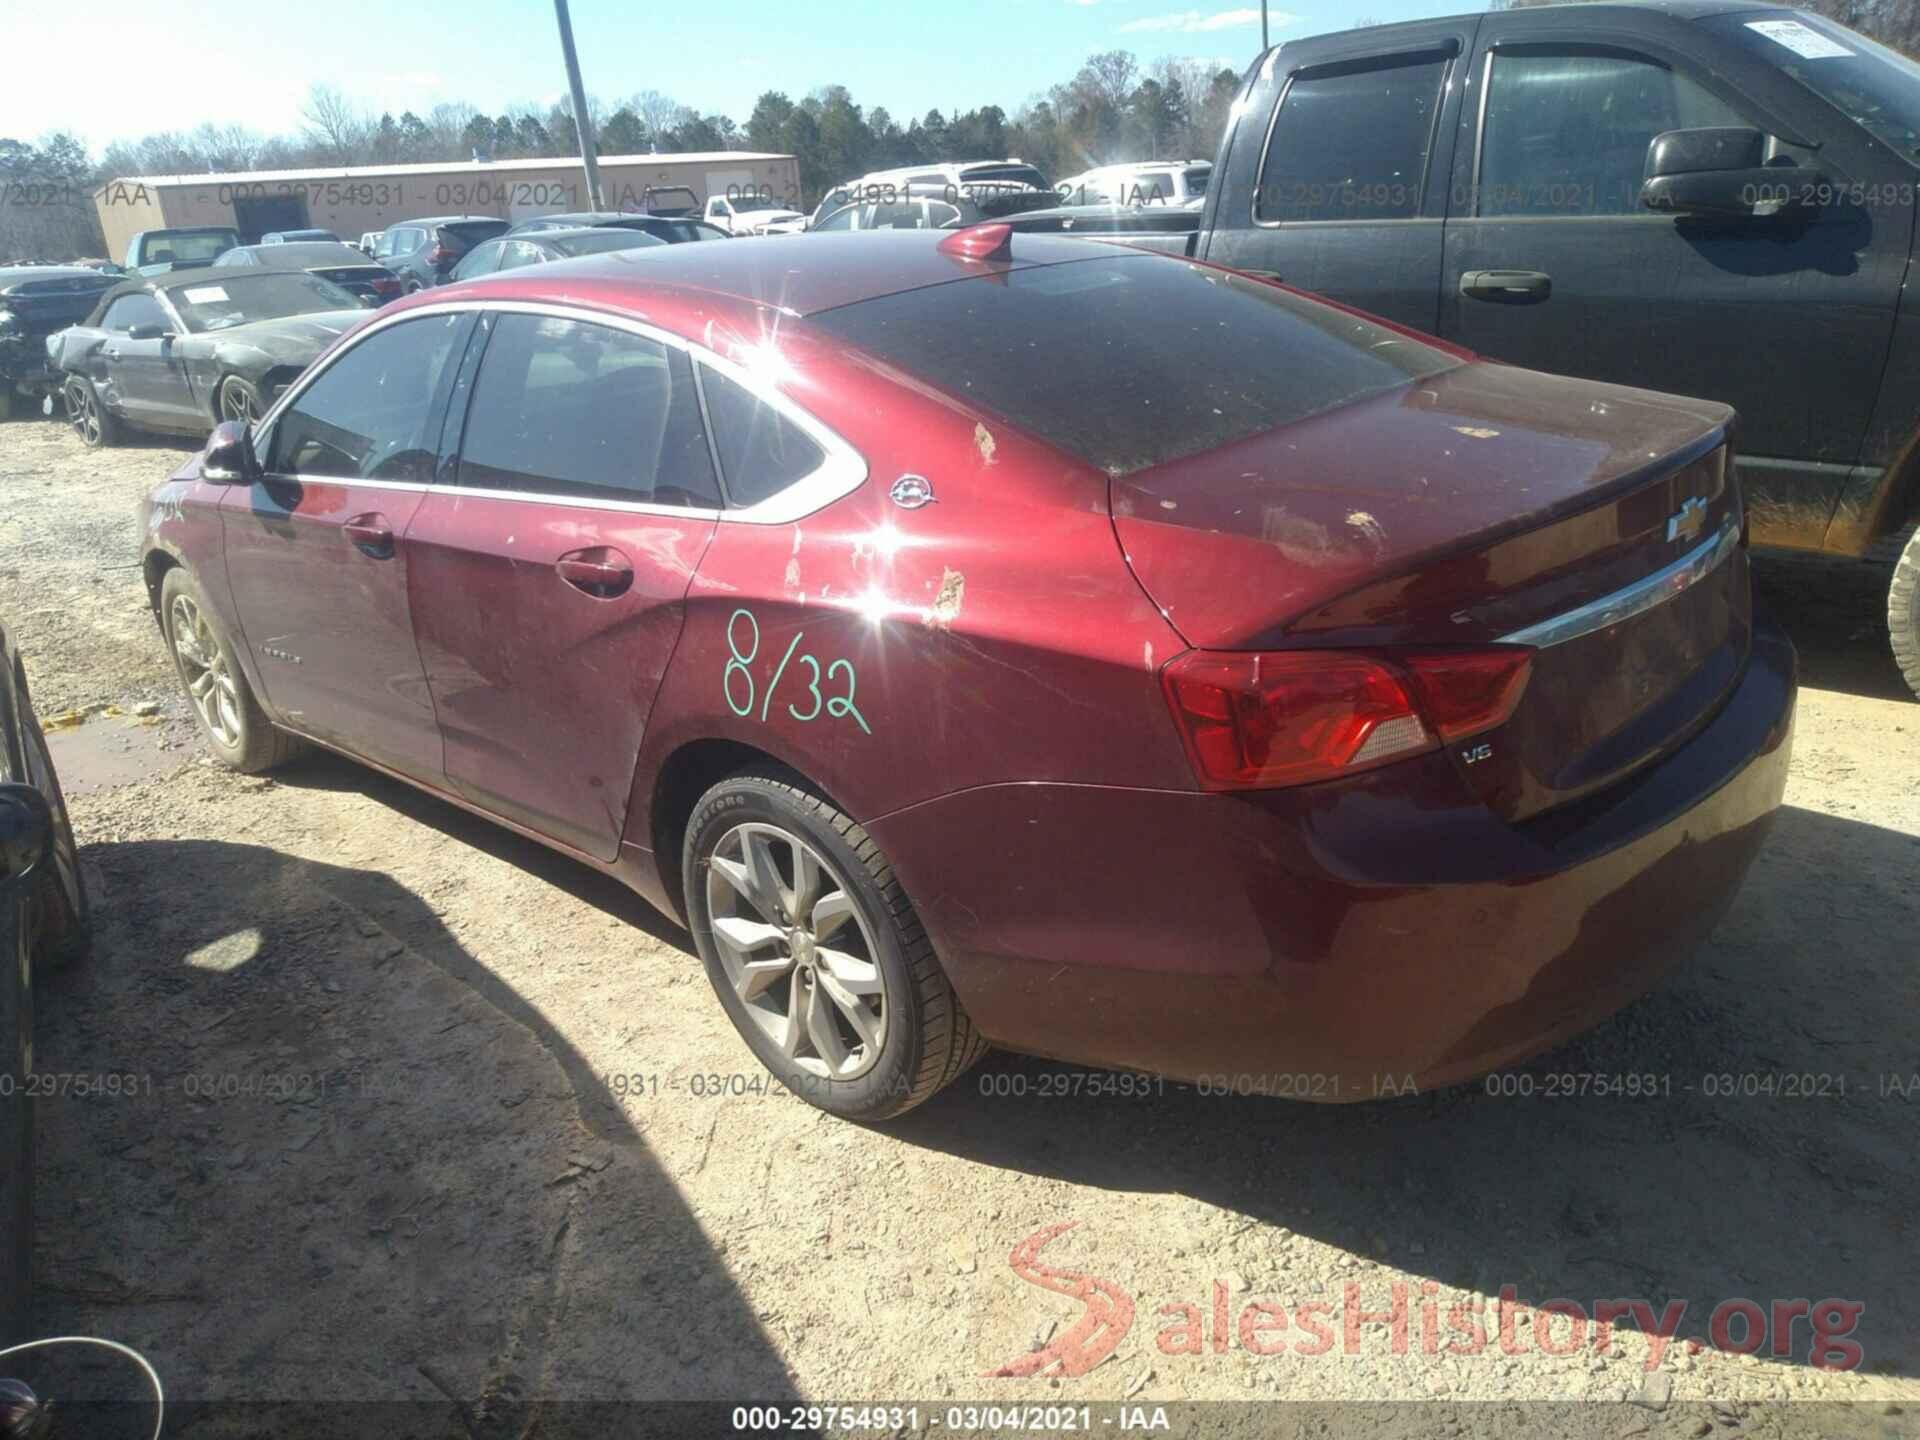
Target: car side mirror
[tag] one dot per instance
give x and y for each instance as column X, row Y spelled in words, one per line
column 26, row 831
column 1719, row 170
column 149, row 332
column 229, row 458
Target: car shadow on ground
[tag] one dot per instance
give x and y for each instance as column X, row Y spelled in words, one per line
column 324, row 770
column 345, row 1160
column 1582, row 1198
column 1836, row 612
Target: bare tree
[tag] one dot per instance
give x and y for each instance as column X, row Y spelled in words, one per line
column 334, row 125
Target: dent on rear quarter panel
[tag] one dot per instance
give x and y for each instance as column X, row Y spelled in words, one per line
column 892, row 655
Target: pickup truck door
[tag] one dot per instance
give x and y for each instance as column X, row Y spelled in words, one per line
column 1335, row 181
column 1552, row 263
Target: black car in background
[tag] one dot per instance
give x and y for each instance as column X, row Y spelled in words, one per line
column 512, row 252
column 344, row 265
column 180, row 353
column 44, row 921
column 423, row 252
column 35, row 302
column 674, row 229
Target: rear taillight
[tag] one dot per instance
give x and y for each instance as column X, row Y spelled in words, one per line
column 1265, row 720
column 1463, row 692
column 439, row 255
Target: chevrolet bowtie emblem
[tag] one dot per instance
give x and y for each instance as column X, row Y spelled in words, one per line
column 1688, row 521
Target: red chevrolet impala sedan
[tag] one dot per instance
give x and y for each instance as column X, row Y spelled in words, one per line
column 1014, row 640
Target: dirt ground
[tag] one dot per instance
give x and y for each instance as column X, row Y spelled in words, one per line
column 420, row 1111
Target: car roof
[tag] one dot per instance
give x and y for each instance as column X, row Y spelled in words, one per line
column 293, row 254
column 445, row 220
column 13, row 274
column 798, row 275
column 1675, row 9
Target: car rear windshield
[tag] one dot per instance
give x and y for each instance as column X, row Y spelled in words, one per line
column 221, row 301
column 472, row 232
column 1135, row 360
column 158, row 249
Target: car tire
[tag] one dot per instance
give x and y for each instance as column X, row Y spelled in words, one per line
column 915, row 1038
column 239, row 400
column 63, row 917
column 16, row 1134
column 96, row 426
column 1903, row 612
column 236, row 728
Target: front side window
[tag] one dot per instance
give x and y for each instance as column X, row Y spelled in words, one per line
column 841, row 219
column 1568, row 134
column 1871, row 85
column 131, row 310
column 371, row 414
column 1352, row 143
column 570, row 408
column 518, row 253
column 762, row 452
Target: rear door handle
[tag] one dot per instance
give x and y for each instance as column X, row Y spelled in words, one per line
column 1508, row 287
column 599, row 570
column 371, row 534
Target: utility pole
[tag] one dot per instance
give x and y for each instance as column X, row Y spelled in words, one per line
column 581, row 121
column 1263, row 27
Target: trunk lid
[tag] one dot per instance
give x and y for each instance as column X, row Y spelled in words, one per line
column 1483, row 505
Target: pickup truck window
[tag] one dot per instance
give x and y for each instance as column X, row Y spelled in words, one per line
column 1871, row 85
column 1352, row 143
column 1567, row 134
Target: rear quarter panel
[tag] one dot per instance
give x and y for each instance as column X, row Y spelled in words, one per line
column 892, row 655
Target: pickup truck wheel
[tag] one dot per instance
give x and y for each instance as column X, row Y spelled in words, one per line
column 816, row 953
column 237, row 729
column 89, row 418
column 1903, row 612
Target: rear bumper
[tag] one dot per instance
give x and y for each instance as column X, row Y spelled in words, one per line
column 1333, row 941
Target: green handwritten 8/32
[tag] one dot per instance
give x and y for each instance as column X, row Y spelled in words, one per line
column 840, row 707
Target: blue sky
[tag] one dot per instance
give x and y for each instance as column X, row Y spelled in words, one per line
column 152, row 66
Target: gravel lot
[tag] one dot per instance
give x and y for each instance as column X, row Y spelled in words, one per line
column 428, row 1113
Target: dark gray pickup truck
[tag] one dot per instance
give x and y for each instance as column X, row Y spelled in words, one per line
column 1711, row 199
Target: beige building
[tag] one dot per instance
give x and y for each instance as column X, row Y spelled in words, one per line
column 352, row 201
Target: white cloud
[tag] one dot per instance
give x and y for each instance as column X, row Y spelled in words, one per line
column 1195, row 22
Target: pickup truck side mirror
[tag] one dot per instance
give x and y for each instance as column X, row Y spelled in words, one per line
column 153, row 331
column 1718, row 171
column 229, row 458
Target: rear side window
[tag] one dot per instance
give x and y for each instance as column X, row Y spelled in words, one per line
column 368, row 415
column 1568, row 134
column 565, row 407
column 1352, row 143
column 1188, row 358
column 762, row 452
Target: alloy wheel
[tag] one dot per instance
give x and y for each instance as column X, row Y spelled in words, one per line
column 797, row 950
column 209, row 682
column 236, row 404
column 83, row 411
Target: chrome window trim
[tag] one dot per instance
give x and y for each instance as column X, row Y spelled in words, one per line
column 1636, row 599
column 840, row 473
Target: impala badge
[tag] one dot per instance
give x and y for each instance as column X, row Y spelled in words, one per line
column 1688, row 521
